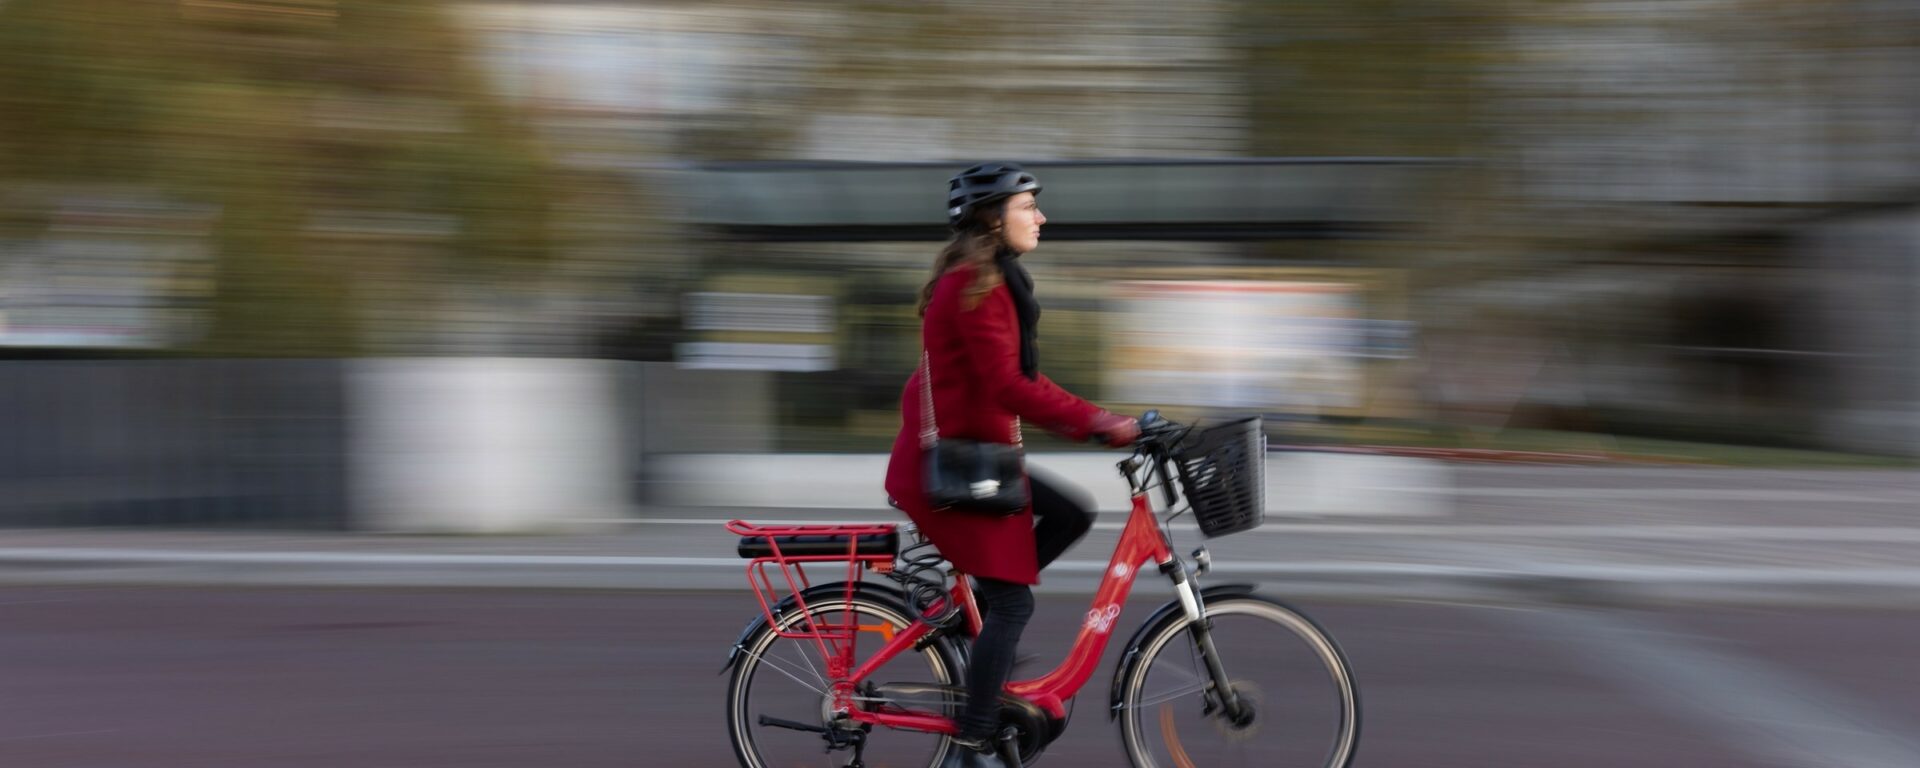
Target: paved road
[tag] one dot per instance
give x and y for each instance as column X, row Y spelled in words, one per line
column 112, row 677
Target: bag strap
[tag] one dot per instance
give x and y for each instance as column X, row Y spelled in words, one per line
column 929, row 431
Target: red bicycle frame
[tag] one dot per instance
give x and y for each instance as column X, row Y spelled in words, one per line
column 1142, row 543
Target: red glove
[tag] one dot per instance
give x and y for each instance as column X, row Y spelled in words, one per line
column 1115, row 430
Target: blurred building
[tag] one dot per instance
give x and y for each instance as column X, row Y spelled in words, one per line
column 1715, row 206
column 1687, row 219
column 807, row 144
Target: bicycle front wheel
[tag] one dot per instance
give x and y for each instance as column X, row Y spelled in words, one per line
column 1303, row 710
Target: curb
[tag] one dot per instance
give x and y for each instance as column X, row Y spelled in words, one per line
column 1542, row 583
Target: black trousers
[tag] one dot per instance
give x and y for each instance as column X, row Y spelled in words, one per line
column 1005, row 607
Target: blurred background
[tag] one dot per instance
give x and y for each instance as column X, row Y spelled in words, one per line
column 1605, row 229
column 1561, row 313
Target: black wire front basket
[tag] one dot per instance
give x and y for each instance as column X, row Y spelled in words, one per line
column 1223, row 475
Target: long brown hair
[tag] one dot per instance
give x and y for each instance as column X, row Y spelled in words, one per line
column 975, row 244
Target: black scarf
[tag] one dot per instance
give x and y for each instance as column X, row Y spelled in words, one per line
column 1020, row 285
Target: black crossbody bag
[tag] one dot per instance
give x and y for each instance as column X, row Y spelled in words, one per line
column 967, row 475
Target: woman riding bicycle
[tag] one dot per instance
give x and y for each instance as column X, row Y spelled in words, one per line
column 980, row 380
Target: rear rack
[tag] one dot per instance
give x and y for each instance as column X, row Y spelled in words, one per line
column 745, row 528
column 793, row 572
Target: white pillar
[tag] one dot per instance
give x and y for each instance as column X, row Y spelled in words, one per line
column 483, row 445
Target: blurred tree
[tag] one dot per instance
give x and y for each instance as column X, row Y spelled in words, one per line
column 1389, row 78
column 1392, row 78
column 295, row 117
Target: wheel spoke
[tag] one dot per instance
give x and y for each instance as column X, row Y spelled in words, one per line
column 801, row 650
column 1196, row 681
column 1177, row 693
column 778, row 665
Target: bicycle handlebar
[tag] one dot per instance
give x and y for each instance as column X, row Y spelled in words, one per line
column 1153, row 449
column 1157, row 431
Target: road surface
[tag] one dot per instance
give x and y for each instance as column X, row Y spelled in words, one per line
column 112, row 677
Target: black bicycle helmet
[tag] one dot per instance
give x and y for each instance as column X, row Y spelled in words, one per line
column 985, row 183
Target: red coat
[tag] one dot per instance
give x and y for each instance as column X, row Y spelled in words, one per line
column 978, row 393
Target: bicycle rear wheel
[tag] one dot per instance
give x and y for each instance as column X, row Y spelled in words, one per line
column 1305, row 708
column 786, row 679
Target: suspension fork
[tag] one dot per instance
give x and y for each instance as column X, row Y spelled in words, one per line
column 1201, row 628
column 1198, row 624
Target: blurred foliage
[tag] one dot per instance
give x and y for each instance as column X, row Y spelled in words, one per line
column 1390, row 78
column 283, row 114
column 1386, row 78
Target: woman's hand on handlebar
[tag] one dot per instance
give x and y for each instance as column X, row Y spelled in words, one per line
column 1115, row 430
column 1156, row 429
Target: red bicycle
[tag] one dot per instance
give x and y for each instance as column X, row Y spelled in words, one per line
column 1218, row 676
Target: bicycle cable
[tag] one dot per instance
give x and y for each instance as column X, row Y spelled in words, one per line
column 920, row 572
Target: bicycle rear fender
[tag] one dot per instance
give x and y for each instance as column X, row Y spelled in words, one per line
column 817, row 592
column 1168, row 612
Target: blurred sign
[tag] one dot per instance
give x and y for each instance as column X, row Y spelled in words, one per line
column 620, row 57
column 759, row 312
column 1286, row 346
column 759, row 332
column 736, row 356
column 108, row 273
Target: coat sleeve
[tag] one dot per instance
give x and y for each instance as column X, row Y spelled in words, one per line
column 991, row 334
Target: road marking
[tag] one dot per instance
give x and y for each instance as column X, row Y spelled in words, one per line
column 1631, row 573
column 60, row 734
column 162, row 556
column 1765, row 711
column 1880, row 496
column 1892, row 496
column 1854, row 534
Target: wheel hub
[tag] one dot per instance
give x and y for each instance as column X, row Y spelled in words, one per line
column 1247, row 725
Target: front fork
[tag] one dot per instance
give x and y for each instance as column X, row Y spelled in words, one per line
column 1201, row 627
column 1198, row 624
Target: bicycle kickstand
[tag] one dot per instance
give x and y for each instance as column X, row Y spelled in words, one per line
column 835, row 737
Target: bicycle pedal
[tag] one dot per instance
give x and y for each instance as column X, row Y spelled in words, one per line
column 1006, row 746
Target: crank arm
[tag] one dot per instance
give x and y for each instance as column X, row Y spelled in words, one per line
column 791, row 725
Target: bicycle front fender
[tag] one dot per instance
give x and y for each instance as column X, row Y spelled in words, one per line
column 1165, row 614
column 817, row 591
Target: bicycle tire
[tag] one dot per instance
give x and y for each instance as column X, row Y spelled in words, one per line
column 1147, row 713
column 942, row 664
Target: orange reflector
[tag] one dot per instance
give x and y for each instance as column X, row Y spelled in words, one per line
column 885, row 630
column 1175, row 749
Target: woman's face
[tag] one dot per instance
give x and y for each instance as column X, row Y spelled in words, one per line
column 1020, row 224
